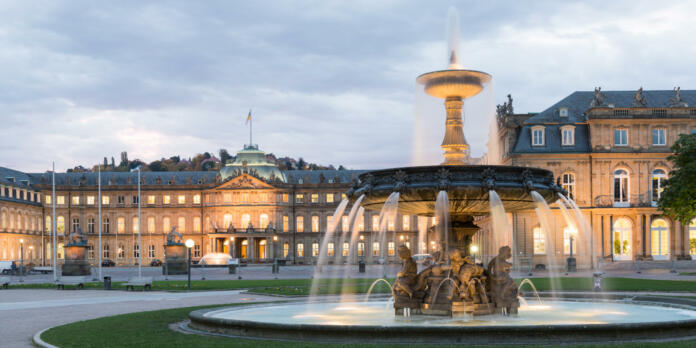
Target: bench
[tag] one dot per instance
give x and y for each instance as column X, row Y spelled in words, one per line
column 5, row 282
column 145, row 282
column 78, row 281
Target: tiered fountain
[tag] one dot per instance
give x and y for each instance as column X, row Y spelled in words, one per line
column 438, row 303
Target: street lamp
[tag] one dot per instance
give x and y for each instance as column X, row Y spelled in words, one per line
column 21, row 260
column 189, row 244
column 275, row 255
column 474, row 249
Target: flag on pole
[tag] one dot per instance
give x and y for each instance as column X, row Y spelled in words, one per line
column 248, row 119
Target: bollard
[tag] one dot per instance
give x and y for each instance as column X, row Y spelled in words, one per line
column 107, row 283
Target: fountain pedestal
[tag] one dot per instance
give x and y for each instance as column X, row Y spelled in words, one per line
column 76, row 263
column 175, row 259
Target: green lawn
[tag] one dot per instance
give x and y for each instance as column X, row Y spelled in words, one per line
column 687, row 273
column 151, row 329
column 614, row 284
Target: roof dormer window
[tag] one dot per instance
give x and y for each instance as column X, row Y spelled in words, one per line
column 568, row 135
column 538, row 136
column 563, row 112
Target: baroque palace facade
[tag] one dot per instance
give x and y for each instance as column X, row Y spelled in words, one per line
column 250, row 209
column 609, row 150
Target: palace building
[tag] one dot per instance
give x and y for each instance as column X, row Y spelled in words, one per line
column 609, row 150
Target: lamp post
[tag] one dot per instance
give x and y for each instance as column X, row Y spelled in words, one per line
column 275, row 256
column 21, row 260
column 474, row 249
column 232, row 246
column 189, row 244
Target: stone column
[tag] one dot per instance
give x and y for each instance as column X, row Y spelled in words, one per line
column 648, row 234
column 454, row 145
column 251, row 245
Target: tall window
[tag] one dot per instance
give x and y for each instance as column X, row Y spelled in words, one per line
column 90, row 251
column 181, row 225
column 106, row 254
column 151, row 224
column 621, row 137
column 659, row 137
column 361, row 249
column 105, row 225
column 299, row 224
column 90, row 200
column 76, row 200
column 346, row 249
column 375, row 223
column 166, row 199
column 197, row 224
column 286, row 249
column 692, row 238
column 166, row 225
column 197, row 250
column 90, row 225
column 538, row 136
column 406, row 223
column 181, row 199
column 329, row 198
column 568, row 183
column 75, row 223
column 375, row 249
column 329, row 223
column 151, row 199
column 135, row 224
column 47, row 223
column 246, row 220
column 345, row 224
column 105, row 200
column 658, row 182
column 568, row 232
column 300, row 250
column 136, row 250
column 121, row 251
column 315, row 249
column 286, row 223
column 315, row 223
column 330, row 249
column 390, row 248
column 121, row 225
column 227, row 220
column 315, row 197
column 196, row 199
column 539, row 241
column 568, row 136
column 263, row 220
column 621, row 188
column 361, row 223
column 48, row 199
column 622, row 239
column 151, row 251
column 660, row 239
column 299, row 197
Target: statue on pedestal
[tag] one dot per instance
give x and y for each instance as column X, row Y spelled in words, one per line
column 77, row 237
column 174, row 237
column 503, row 288
column 406, row 279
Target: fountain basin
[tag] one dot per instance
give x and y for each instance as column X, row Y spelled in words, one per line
column 453, row 82
column 374, row 322
column 467, row 187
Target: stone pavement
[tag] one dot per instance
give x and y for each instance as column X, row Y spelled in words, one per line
column 28, row 311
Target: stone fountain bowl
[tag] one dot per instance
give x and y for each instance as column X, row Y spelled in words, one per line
column 453, row 82
column 467, row 187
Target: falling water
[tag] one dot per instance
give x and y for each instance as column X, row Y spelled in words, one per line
column 321, row 260
column 422, row 234
column 585, row 230
column 502, row 231
column 453, row 38
column 345, row 232
column 527, row 281
column 353, row 250
column 442, row 214
column 545, row 217
column 386, row 215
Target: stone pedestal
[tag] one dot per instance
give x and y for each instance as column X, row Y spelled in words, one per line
column 175, row 260
column 76, row 263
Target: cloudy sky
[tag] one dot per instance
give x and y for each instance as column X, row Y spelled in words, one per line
column 330, row 81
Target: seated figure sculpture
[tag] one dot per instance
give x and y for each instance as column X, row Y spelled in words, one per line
column 174, row 237
column 472, row 282
column 503, row 288
column 77, row 237
column 406, row 279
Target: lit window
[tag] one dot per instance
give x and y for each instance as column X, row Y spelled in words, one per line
column 121, row 251
column 226, row 221
column 375, row 223
column 196, row 224
column 48, row 199
column 181, row 226
column 166, row 199
column 76, row 200
column 182, row 199
column 166, row 225
column 286, row 223
column 263, row 220
column 315, row 249
column 390, row 248
column 346, row 249
column 658, row 182
column 90, row 200
column 135, row 224
column 406, row 223
column 538, row 136
column 345, row 224
column 658, row 137
column 660, row 239
column 390, row 223
column 539, row 241
column 569, row 232
column 568, row 135
column 329, row 223
column 621, row 188
column 284, row 197
column 300, row 250
column 299, row 198
column 106, row 200
column 361, row 249
column 568, row 183
column 329, row 198
column 361, row 222
column 197, row 199
column 151, row 199
column 246, row 220
column 315, row 223
column 286, row 249
column 621, row 137
column 330, row 249
column 150, row 224
column 121, row 225
column 47, row 223
column 343, row 196
column 299, row 224
column 315, row 197
column 375, row 249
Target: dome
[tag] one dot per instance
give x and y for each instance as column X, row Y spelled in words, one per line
column 252, row 161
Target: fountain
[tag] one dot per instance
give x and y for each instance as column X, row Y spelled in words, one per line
column 455, row 298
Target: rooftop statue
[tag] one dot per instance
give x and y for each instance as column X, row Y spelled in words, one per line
column 174, row 237
column 639, row 98
column 598, row 98
column 677, row 101
column 77, row 237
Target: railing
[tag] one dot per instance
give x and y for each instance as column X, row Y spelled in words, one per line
column 639, row 200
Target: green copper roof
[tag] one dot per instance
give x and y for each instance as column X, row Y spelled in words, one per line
column 251, row 160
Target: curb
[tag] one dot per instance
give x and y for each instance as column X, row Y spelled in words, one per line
column 39, row 342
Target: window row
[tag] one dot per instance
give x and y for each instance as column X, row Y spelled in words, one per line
column 119, row 225
column 19, row 194
column 621, row 187
column 621, row 136
column 121, row 200
column 12, row 221
column 344, row 251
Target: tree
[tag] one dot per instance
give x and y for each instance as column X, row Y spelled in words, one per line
column 678, row 200
column 224, row 156
column 124, row 159
column 301, row 164
column 106, row 163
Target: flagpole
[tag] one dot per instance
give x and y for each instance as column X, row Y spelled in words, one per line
column 99, row 221
column 53, row 200
column 140, row 246
column 251, row 123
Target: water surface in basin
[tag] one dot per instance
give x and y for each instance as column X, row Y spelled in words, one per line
column 381, row 313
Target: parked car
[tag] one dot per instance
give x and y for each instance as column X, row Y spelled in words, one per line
column 156, row 263
column 424, row 259
column 5, row 267
column 108, row 263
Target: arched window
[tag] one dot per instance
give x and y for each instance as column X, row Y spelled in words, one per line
column 658, row 181
column 692, row 238
column 315, row 223
column 59, row 251
column 263, row 220
column 660, row 239
column 299, row 224
column 105, row 225
column 246, row 219
column 106, row 254
column 4, row 220
column 539, row 240
column 621, row 190
column 90, row 225
column 568, row 232
column 136, row 224
column 227, row 220
column 568, row 183
column 622, row 231
column 60, row 225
